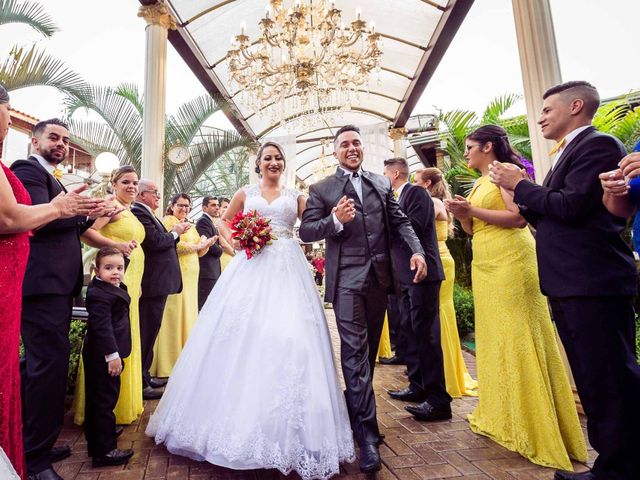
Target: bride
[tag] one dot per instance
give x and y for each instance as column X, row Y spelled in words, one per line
column 255, row 385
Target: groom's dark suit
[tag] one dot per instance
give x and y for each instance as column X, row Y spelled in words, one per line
column 420, row 302
column 52, row 280
column 588, row 273
column 358, row 278
column 160, row 279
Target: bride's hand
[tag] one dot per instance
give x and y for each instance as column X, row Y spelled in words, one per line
column 235, row 243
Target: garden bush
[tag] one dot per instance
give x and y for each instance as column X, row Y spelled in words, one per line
column 463, row 303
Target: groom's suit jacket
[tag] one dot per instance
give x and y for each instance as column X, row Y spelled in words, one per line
column 55, row 256
column 365, row 242
column 579, row 248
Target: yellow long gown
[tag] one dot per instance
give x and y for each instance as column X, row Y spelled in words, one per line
column 457, row 378
column 384, row 349
column 181, row 310
column 525, row 400
column 129, row 406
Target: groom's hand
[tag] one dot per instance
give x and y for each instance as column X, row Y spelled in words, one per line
column 345, row 210
column 419, row 266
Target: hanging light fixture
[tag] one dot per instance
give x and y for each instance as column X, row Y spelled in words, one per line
column 305, row 61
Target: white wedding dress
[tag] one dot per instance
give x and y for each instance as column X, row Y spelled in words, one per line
column 256, row 386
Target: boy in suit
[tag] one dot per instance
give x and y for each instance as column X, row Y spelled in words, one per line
column 107, row 342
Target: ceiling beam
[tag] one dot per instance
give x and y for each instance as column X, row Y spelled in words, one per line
column 445, row 31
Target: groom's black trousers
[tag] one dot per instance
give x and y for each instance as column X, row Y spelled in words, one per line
column 360, row 317
column 598, row 334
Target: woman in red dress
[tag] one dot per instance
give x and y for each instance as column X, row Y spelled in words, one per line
column 17, row 219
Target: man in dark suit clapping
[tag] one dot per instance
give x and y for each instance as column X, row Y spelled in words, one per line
column 52, row 280
column 161, row 276
column 210, row 261
column 588, row 273
column 419, row 302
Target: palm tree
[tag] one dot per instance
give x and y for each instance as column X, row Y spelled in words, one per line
column 30, row 66
column 225, row 176
column 119, row 130
column 457, row 124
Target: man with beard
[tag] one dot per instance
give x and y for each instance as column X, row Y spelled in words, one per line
column 53, row 278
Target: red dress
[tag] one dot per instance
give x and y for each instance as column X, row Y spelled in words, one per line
column 14, row 251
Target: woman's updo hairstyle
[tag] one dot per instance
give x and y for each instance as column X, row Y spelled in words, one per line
column 439, row 188
column 500, row 141
column 120, row 172
column 265, row 145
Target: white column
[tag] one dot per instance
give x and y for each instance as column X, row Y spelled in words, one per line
column 398, row 136
column 159, row 21
column 540, row 70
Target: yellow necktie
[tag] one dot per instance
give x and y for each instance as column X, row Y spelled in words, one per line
column 395, row 194
column 557, row 147
column 57, row 172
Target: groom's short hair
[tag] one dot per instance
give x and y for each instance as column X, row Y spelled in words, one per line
column 346, row 128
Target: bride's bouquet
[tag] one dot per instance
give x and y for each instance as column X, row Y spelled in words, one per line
column 252, row 231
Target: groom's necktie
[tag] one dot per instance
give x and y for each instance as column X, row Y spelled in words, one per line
column 356, row 181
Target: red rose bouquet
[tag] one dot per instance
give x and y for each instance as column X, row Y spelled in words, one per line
column 252, row 231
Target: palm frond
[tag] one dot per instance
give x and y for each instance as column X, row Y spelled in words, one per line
column 498, row 107
column 225, row 176
column 627, row 129
column 457, row 125
column 204, row 152
column 609, row 114
column 120, row 114
column 131, row 92
column 97, row 137
column 32, row 67
column 27, row 13
column 185, row 125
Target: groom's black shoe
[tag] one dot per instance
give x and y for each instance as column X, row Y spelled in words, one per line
column 395, row 360
column 428, row 413
column 114, row 457
column 150, row 393
column 562, row 475
column 158, row 382
column 60, row 453
column 48, row 474
column 369, row 458
column 408, row 395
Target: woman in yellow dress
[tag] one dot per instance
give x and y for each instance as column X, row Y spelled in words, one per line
column 181, row 309
column 457, row 378
column 126, row 233
column 229, row 252
column 525, row 400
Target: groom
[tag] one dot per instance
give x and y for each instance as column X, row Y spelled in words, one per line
column 357, row 214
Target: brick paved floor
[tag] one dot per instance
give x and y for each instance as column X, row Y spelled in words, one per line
column 411, row 451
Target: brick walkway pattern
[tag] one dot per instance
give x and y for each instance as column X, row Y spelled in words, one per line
column 411, row 451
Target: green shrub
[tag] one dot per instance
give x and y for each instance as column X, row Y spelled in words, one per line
column 76, row 337
column 463, row 303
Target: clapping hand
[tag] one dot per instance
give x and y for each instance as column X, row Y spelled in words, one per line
column 181, row 227
column 506, row 175
column 345, row 210
column 72, row 203
column 127, row 247
column 459, row 207
column 613, row 183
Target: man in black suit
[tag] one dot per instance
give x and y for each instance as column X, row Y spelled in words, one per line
column 419, row 302
column 588, row 273
column 356, row 212
column 106, row 344
column 160, row 279
column 210, row 261
column 53, row 278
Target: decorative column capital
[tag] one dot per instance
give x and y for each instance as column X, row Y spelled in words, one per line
column 398, row 133
column 158, row 14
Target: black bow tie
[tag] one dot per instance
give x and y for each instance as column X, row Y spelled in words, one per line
column 355, row 175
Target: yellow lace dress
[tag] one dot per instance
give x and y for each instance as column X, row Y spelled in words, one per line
column 457, row 378
column 129, row 406
column 525, row 400
column 181, row 310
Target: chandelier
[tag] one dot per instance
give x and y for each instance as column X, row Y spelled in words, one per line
column 305, row 61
